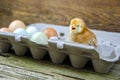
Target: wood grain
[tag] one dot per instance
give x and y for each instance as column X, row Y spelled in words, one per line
column 98, row 14
column 27, row 68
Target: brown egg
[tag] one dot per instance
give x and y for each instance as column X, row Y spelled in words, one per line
column 50, row 32
column 4, row 29
column 16, row 24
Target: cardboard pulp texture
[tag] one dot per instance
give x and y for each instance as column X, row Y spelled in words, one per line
column 103, row 57
column 21, row 44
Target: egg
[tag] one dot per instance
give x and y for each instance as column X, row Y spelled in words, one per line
column 16, row 24
column 31, row 30
column 4, row 29
column 50, row 32
column 39, row 38
column 21, row 31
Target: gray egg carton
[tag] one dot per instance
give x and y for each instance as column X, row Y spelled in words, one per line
column 21, row 44
column 103, row 57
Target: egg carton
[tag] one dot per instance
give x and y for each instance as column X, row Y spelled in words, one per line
column 103, row 57
column 21, row 44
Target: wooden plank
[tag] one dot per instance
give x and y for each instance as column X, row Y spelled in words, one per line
column 98, row 14
column 25, row 67
column 19, row 73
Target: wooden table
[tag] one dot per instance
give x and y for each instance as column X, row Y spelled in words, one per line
column 26, row 68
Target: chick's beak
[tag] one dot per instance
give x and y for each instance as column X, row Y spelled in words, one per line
column 73, row 28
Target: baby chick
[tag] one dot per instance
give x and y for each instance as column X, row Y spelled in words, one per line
column 79, row 32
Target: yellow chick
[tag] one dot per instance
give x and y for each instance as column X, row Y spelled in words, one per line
column 79, row 32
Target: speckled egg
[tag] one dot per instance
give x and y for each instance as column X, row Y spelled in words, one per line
column 16, row 24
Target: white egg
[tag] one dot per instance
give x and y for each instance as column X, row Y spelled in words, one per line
column 31, row 30
column 21, row 31
column 39, row 38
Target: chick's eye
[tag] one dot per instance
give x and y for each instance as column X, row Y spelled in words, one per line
column 78, row 25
